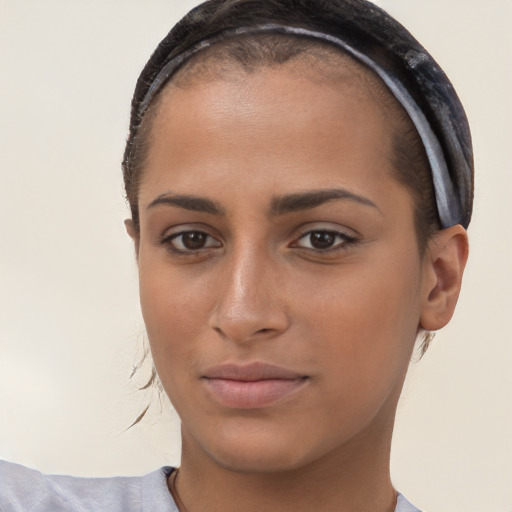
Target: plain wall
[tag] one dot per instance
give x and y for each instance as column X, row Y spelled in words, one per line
column 70, row 325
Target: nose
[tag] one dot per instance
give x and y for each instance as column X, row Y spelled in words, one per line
column 249, row 302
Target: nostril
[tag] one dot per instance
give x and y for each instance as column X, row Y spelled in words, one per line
column 242, row 322
column 243, row 333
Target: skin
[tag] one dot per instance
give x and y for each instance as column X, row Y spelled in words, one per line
column 344, row 316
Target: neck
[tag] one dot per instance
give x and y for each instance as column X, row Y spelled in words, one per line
column 353, row 478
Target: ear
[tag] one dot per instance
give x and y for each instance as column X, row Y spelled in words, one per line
column 134, row 234
column 444, row 264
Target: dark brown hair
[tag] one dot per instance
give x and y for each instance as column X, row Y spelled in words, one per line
column 374, row 35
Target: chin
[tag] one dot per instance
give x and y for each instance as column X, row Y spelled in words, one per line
column 258, row 450
column 272, row 461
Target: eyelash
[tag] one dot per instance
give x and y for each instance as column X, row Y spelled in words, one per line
column 168, row 242
column 344, row 241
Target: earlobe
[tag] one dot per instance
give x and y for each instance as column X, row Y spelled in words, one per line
column 444, row 264
column 133, row 233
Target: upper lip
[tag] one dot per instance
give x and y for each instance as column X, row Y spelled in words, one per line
column 250, row 372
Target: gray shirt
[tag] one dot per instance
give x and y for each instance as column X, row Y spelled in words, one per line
column 26, row 490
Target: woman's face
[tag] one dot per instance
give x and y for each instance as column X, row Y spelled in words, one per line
column 280, row 278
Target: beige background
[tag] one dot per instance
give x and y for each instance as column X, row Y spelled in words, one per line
column 70, row 326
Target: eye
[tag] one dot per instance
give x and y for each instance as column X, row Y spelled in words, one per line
column 190, row 241
column 324, row 240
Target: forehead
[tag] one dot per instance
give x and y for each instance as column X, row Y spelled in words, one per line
column 245, row 60
column 276, row 127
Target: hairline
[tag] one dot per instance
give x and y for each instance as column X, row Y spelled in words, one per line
column 210, row 65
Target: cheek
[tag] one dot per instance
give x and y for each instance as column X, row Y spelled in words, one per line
column 171, row 310
column 364, row 321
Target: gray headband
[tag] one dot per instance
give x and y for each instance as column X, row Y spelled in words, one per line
column 448, row 204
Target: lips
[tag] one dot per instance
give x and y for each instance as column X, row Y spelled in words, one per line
column 251, row 386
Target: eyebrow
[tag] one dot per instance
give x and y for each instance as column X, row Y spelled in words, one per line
column 311, row 199
column 281, row 205
column 188, row 202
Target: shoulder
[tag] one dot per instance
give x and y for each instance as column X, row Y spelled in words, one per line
column 402, row 505
column 27, row 490
column 24, row 489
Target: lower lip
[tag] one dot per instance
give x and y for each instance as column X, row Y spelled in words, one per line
column 252, row 394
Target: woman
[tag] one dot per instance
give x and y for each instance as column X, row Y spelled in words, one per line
column 300, row 181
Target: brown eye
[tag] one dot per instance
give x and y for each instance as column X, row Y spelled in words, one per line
column 190, row 241
column 324, row 240
column 194, row 240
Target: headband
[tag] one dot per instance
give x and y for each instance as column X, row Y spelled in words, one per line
column 449, row 195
